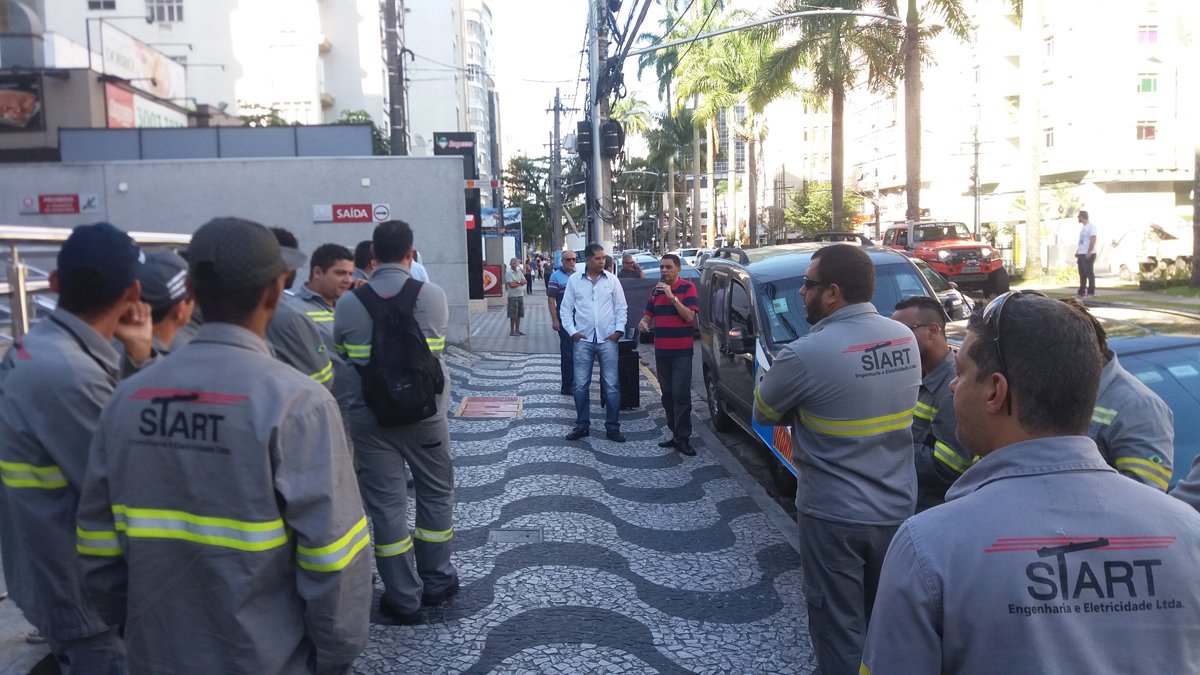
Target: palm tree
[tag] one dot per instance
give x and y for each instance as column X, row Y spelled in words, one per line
column 667, row 141
column 834, row 51
column 633, row 114
column 752, row 130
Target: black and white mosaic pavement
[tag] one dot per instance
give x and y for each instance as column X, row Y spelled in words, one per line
column 593, row 556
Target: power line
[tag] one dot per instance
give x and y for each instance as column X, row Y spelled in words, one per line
column 698, row 33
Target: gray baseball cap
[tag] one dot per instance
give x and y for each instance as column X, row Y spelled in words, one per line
column 163, row 278
column 242, row 253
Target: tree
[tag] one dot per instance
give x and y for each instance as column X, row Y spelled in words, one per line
column 668, row 141
column 380, row 143
column 527, row 183
column 834, row 51
column 633, row 114
column 810, row 209
column 262, row 116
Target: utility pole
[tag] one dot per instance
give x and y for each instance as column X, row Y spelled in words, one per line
column 393, row 30
column 975, row 180
column 598, row 231
column 556, row 228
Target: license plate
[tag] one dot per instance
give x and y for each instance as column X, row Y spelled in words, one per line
column 967, row 269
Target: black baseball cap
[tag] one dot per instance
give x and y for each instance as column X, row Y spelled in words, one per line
column 110, row 254
column 243, row 254
column 163, row 278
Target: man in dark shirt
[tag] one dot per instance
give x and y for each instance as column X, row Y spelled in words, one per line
column 671, row 310
column 629, row 268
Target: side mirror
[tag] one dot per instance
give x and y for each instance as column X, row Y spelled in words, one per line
column 738, row 343
column 954, row 285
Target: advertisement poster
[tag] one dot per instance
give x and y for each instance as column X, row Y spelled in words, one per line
column 491, row 280
column 145, row 67
column 461, row 143
column 497, row 224
column 21, row 103
column 127, row 110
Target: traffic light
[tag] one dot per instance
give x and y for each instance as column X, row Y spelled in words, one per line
column 583, row 139
column 612, row 138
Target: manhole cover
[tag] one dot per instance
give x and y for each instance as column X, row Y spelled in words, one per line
column 530, row 535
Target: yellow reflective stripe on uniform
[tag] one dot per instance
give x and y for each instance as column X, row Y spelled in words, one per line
column 337, row 555
column 91, row 542
column 236, row 534
column 325, row 374
column 18, row 475
column 321, row 316
column 1144, row 467
column 354, row 351
column 436, row 344
column 436, row 537
column 1103, row 415
column 863, row 669
column 767, row 411
column 389, row 550
column 946, row 455
column 925, row 411
column 866, row 427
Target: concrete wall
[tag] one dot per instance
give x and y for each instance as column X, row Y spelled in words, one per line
column 179, row 196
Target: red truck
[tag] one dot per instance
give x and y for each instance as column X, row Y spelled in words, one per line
column 950, row 249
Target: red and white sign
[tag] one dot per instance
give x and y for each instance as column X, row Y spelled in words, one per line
column 352, row 213
column 127, row 110
column 491, row 280
column 58, row 204
column 470, row 222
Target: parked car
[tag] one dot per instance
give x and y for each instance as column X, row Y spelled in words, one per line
column 750, row 310
column 950, row 249
column 1162, row 349
column 690, row 256
column 957, row 304
column 646, row 261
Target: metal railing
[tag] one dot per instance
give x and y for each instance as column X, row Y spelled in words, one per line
column 23, row 240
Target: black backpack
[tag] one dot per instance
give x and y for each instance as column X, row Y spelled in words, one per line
column 402, row 379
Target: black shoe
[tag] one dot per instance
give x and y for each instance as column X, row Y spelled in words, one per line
column 669, row 443
column 615, row 436
column 578, row 433
column 685, row 448
column 566, row 391
column 434, row 599
column 402, row 618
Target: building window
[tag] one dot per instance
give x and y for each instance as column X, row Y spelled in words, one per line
column 1146, row 131
column 1049, row 136
column 165, row 11
column 102, row 4
column 1147, row 35
column 1147, row 83
column 1049, row 47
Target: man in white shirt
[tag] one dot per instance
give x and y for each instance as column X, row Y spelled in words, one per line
column 593, row 314
column 1085, row 254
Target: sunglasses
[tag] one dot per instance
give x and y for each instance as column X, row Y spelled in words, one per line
column 991, row 321
column 813, row 283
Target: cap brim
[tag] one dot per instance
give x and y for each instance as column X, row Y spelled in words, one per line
column 292, row 258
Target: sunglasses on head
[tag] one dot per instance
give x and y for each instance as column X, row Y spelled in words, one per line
column 991, row 321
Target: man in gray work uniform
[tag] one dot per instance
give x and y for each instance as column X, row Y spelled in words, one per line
column 848, row 390
column 293, row 338
column 53, row 383
column 415, row 566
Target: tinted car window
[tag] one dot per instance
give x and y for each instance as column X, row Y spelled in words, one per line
column 939, row 283
column 1174, row 374
column 783, row 307
column 720, row 283
column 739, row 308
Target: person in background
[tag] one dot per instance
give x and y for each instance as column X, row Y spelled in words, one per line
column 53, row 383
column 555, row 287
column 164, row 289
column 293, row 338
column 418, row 270
column 671, row 313
column 630, row 268
column 940, row 458
column 364, row 263
column 514, row 283
column 528, row 276
column 1043, row 559
column 1085, row 255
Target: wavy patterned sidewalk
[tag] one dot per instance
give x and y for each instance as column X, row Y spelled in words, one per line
column 597, row 557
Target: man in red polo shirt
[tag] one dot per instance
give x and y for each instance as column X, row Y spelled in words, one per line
column 672, row 308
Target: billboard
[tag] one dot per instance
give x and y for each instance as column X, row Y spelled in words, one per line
column 128, row 110
column 143, row 66
column 21, row 103
column 497, row 224
column 461, row 143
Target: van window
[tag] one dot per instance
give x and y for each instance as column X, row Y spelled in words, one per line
column 902, row 237
column 889, row 237
column 720, row 285
column 740, row 313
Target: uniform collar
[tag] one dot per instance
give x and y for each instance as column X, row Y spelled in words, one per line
column 943, row 372
column 1110, row 370
column 234, row 336
column 308, row 295
column 1036, row 457
column 88, row 339
column 389, row 269
column 846, row 312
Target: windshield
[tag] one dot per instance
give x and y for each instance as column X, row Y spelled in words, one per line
column 941, row 231
column 689, row 252
column 781, row 304
column 1174, row 374
column 939, row 283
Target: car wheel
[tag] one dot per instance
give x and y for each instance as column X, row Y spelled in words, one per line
column 784, row 481
column 997, row 283
column 721, row 420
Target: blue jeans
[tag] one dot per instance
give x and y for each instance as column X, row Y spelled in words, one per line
column 585, row 355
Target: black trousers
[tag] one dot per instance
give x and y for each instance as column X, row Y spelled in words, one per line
column 675, row 376
column 1087, row 272
column 566, row 356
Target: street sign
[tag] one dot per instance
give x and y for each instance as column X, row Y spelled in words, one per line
column 59, row 204
column 351, row 213
column 382, row 212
